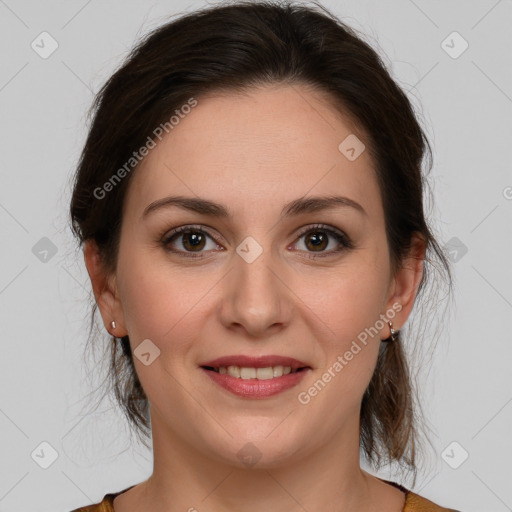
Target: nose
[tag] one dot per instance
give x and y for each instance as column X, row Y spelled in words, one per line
column 255, row 297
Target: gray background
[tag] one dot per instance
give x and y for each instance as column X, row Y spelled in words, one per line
column 466, row 104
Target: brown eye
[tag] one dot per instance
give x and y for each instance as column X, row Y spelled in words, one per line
column 187, row 239
column 190, row 241
column 193, row 241
column 317, row 241
column 318, row 238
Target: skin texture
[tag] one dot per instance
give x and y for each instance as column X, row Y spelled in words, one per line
column 254, row 152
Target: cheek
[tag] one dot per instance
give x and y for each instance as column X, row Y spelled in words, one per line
column 347, row 300
column 153, row 297
column 348, row 307
column 164, row 306
column 164, row 302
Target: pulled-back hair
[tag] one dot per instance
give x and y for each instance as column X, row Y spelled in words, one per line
column 232, row 47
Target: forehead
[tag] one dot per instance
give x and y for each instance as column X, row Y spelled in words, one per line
column 267, row 146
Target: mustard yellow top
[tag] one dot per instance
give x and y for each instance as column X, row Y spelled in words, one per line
column 413, row 502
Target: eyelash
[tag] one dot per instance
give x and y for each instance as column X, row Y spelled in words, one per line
column 341, row 237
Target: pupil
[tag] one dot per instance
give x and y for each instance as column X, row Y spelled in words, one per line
column 320, row 239
column 193, row 239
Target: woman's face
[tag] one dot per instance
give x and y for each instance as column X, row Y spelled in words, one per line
column 262, row 280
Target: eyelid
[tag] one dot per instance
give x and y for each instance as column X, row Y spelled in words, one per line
column 341, row 236
column 166, row 238
column 327, row 228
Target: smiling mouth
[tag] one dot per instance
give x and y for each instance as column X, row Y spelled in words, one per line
column 246, row 373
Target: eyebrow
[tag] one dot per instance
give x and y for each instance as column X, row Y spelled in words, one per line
column 296, row 207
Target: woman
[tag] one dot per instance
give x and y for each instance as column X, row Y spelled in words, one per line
column 249, row 200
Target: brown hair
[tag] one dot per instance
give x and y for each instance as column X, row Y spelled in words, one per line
column 232, row 47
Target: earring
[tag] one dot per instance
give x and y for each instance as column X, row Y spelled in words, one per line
column 394, row 333
column 113, row 325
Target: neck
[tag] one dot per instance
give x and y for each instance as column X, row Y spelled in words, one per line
column 185, row 478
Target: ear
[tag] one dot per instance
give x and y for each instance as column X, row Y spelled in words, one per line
column 105, row 292
column 404, row 285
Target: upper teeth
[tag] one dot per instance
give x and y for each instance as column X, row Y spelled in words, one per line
column 255, row 373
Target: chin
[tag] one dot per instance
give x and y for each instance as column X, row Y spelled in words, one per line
column 258, row 452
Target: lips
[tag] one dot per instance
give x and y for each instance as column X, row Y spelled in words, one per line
column 255, row 377
column 254, row 362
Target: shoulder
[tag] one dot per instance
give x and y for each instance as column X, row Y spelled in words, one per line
column 105, row 505
column 416, row 503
